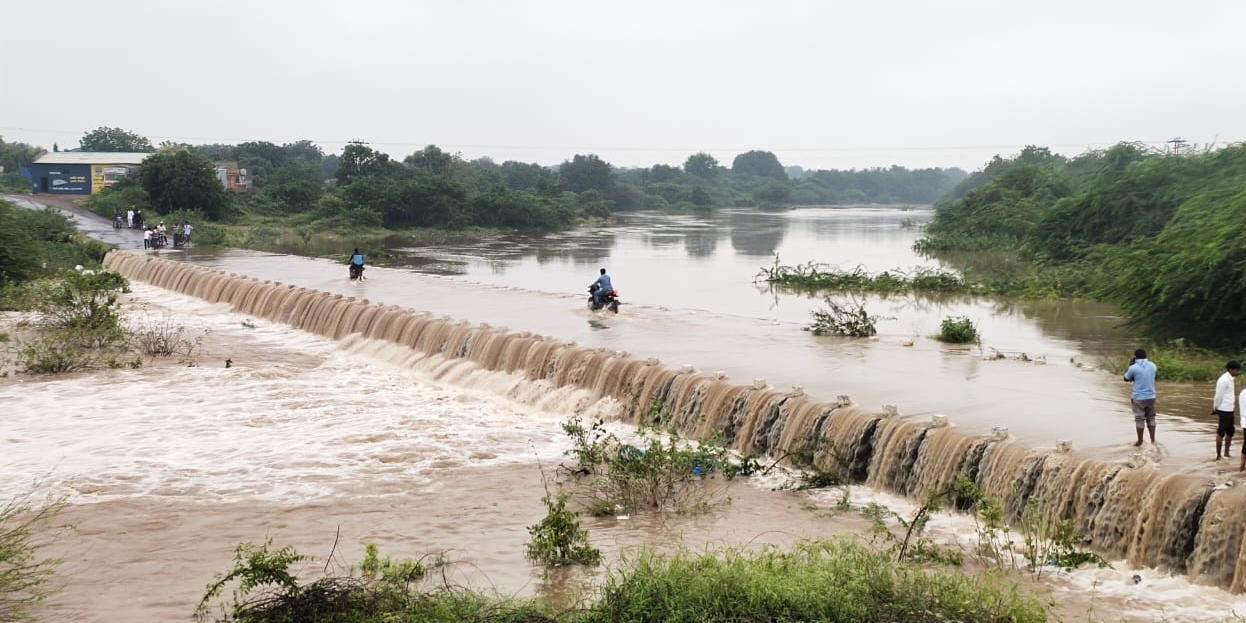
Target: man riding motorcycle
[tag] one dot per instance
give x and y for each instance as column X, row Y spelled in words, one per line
column 603, row 287
column 356, row 264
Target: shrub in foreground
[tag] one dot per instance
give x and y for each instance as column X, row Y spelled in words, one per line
column 958, row 330
column 26, row 526
column 841, row 581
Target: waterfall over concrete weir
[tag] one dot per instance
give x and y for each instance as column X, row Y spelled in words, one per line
column 1174, row 521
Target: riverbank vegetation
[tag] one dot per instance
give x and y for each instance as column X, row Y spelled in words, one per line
column 1163, row 235
column 69, row 314
column 836, row 580
column 295, row 198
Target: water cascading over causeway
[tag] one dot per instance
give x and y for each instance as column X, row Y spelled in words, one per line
column 1174, row 521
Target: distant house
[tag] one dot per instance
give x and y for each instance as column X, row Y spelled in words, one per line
column 82, row 172
column 231, row 176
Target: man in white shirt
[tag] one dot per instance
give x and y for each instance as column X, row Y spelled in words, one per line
column 1242, row 452
column 1222, row 407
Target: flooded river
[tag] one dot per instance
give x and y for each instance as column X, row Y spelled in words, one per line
column 308, row 434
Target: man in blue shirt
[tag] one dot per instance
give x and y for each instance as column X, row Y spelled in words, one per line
column 356, row 264
column 1141, row 373
column 603, row 287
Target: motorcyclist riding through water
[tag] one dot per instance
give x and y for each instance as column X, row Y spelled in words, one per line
column 356, row 264
column 603, row 287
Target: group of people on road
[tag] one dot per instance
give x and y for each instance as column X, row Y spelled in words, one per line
column 133, row 219
column 157, row 237
column 1142, row 374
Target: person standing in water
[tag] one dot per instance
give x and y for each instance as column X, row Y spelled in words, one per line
column 1141, row 373
column 1222, row 408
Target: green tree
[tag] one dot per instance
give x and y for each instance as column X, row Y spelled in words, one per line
column 773, row 194
column 14, row 156
column 760, row 164
column 1187, row 282
column 296, row 186
column 20, row 253
column 699, row 197
column 584, row 172
column 183, row 181
column 701, row 165
column 113, row 139
column 524, row 176
column 359, row 160
column 432, row 160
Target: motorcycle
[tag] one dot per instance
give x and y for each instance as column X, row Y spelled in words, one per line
column 609, row 300
column 356, row 272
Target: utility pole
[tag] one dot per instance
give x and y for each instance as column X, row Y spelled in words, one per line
column 1176, row 145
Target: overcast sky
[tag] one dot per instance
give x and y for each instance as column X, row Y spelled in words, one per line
column 823, row 84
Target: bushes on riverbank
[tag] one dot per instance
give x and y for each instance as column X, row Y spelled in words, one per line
column 839, row 580
column 38, row 243
column 1161, row 234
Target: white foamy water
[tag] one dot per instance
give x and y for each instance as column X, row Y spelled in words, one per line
column 296, row 418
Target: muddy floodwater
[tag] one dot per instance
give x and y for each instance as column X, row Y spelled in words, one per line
column 417, row 409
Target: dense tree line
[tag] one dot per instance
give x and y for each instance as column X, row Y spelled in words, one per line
column 364, row 187
column 1162, row 234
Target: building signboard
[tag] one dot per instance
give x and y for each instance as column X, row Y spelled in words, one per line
column 69, row 179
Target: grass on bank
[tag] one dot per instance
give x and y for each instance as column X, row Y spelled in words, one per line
column 838, row 580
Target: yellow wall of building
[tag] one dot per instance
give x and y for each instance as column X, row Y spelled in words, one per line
column 101, row 176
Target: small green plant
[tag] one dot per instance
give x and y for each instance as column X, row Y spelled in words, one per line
column 958, row 330
column 848, row 320
column 1053, row 545
column 559, row 539
column 163, row 337
column 57, row 352
column 996, row 548
column 26, row 527
column 389, row 572
column 661, row 471
column 913, row 545
column 266, row 589
column 82, row 299
column 255, row 566
column 78, row 321
column 806, row 458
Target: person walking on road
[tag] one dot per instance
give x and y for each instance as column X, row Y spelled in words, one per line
column 1141, row 373
column 1222, row 408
